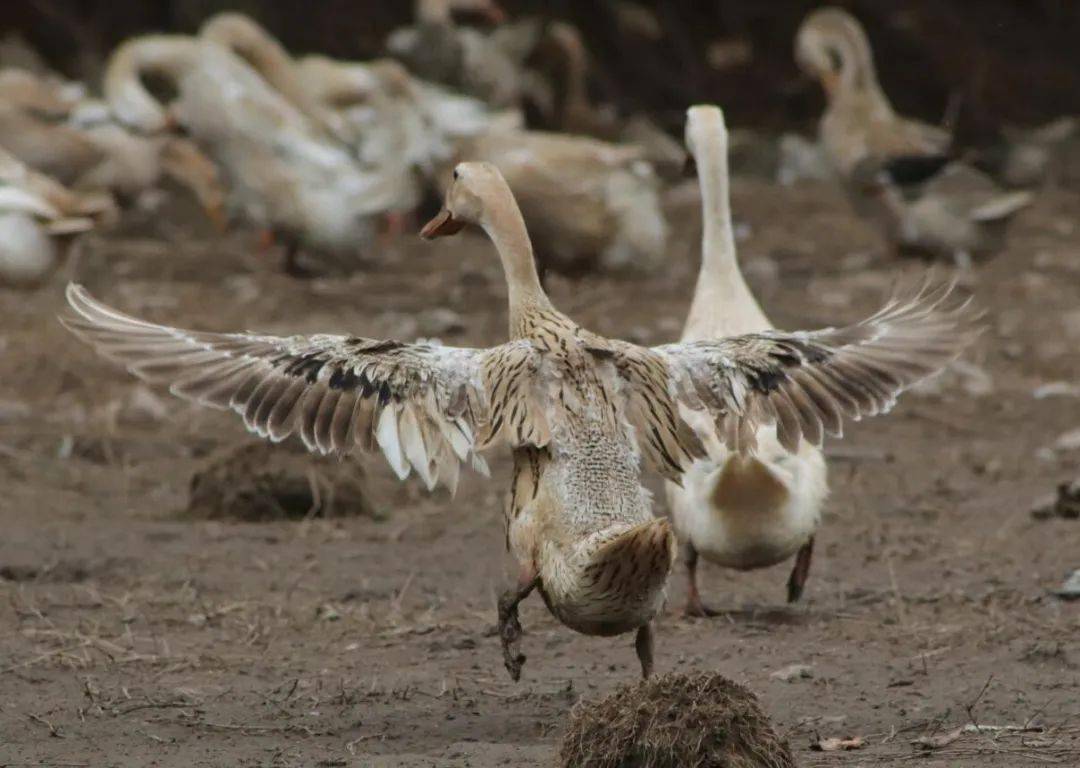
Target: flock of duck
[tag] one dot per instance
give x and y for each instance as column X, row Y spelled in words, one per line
column 330, row 155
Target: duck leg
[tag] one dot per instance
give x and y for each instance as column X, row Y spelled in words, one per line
column 292, row 265
column 643, row 644
column 694, row 606
column 800, row 572
column 509, row 625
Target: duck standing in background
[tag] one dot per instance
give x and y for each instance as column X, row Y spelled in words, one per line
column 39, row 217
column 896, row 170
column 284, row 172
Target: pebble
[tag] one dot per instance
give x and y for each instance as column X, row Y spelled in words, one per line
column 1070, row 588
column 793, row 672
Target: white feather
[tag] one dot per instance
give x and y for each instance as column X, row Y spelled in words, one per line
column 386, row 434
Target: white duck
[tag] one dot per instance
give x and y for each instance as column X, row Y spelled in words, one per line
column 393, row 122
column 739, row 511
column 38, row 219
column 285, row 173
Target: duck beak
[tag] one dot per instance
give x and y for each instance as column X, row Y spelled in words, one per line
column 443, row 225
column 830, row 83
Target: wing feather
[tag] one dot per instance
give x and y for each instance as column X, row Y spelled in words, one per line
column 422, row 405
column 806, row 383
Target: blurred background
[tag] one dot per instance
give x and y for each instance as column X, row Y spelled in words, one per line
column 1011, row 61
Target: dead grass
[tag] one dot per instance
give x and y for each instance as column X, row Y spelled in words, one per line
column 677, row 720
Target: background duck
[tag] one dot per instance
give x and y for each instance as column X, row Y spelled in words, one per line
column 738, row 511
column 490, row 66
column 284, row 173
column 587, row 202
column 576, row 114
column 39, row 219
column 1048, row 155
column 891, row 165
column 395, row 123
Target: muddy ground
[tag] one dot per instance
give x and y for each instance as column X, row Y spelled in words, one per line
column 131, row 634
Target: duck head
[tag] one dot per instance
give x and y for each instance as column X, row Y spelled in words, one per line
column 832, row 47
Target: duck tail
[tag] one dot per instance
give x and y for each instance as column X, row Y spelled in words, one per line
column 639, row 558
column 1002, row 206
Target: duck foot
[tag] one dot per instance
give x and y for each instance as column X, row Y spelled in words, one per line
column 643, row 644
column 800, row 572
column 698, row 610
column 509, row 627
column 694, row 606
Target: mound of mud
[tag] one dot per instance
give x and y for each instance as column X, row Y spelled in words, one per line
column 674, row 721
column 261, row 481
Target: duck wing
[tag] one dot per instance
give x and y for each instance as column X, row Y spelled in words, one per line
column 426, row 407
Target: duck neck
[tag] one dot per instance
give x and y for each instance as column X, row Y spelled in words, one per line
column 506, row 228
column 858, row 77
column 721, row 290
column 576, row 98
column 128, row 97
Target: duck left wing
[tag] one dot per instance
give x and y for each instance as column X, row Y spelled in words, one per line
column 805, row 382
column 425, row 406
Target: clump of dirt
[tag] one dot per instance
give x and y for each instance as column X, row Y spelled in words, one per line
column 690, row 721
column 261, row 481
column 1065, row 503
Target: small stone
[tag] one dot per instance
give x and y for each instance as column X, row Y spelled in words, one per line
column 1043, row 508
column 12, row 411
column 1070, row 588
column 1069, row 441
column 1071, row 322
column 1056, row 389
column 327, row 612
column 793, row 672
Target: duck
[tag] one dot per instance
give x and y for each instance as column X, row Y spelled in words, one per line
column 1046, row 155
column 589, row 203
column 739, row 511
column 266, row 55
column 43, row 95
column 490, row 66
column 53, row 127
column 576, row 114
column 133, row 164
column 391, row 120
column 897, row 171
column 58, row 150
column 582, row 413
column 39, row 219
column 283, row 172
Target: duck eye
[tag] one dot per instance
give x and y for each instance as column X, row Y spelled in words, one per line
column 835, row 59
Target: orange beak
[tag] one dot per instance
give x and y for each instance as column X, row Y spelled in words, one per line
column 830, row 82
column 442, row 225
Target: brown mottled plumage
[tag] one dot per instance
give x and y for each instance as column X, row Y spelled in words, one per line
column 579, row 410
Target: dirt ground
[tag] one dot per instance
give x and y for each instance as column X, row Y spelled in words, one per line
column 132, row 635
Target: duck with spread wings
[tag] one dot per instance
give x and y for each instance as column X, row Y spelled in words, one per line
column 581, row 412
